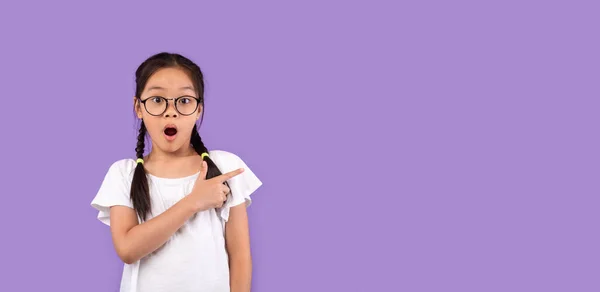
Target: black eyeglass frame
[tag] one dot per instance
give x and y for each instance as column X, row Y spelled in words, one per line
column 198, row 102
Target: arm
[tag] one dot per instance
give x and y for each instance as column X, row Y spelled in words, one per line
column 238, row 246
column 134, row 241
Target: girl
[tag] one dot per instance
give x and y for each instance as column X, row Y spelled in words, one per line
column 177, row 216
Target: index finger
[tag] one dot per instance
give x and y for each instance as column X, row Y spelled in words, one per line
column 224, row 177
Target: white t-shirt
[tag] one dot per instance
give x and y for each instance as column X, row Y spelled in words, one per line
column 194, row 258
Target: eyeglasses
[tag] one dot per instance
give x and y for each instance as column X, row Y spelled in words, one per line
column 157, row 105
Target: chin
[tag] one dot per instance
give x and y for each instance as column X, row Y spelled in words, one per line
column 171, row 146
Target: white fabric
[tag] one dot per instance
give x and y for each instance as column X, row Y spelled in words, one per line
column 194, row 258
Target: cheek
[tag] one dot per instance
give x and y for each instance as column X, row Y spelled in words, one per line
column 189, row 126
column 186, row 130
column 152, row 127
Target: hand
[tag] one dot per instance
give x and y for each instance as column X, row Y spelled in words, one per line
column 211, row 193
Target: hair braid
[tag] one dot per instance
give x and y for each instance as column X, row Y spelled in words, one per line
column 200, row 148
column 140, row 194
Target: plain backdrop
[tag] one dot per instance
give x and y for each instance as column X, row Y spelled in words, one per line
column 403, row 145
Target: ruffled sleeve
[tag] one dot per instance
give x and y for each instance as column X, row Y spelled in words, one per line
column 114, row 189
column 242, row 186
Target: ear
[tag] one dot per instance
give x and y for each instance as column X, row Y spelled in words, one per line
column 199, row 113
column 137, row 107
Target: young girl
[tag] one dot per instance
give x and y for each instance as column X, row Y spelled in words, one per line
column 178, row 215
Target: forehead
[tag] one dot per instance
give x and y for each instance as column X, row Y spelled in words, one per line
column 169, row 79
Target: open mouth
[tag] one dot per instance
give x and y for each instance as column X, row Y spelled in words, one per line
column 170, row 131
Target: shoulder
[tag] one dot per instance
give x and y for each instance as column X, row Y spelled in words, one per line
column 225, row 160
column 222, row 155
column 123, row 167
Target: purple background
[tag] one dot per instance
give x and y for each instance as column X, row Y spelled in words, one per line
column 403, row 147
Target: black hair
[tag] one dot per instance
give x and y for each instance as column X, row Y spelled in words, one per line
column 140, row 194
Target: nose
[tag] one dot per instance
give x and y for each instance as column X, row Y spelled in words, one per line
column 171, row 111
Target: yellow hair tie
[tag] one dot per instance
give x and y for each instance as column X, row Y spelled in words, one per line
column 139, row 160
column 204, row 154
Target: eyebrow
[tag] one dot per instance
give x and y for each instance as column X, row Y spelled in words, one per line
column 161, row 88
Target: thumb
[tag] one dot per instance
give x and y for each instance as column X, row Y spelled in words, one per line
column 203, row 170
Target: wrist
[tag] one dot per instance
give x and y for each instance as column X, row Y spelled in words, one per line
column 190, row 205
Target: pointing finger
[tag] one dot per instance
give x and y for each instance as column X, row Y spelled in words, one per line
column 225, row 177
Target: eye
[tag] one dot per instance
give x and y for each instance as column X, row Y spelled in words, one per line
column 184, row 100
column 156, row 99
